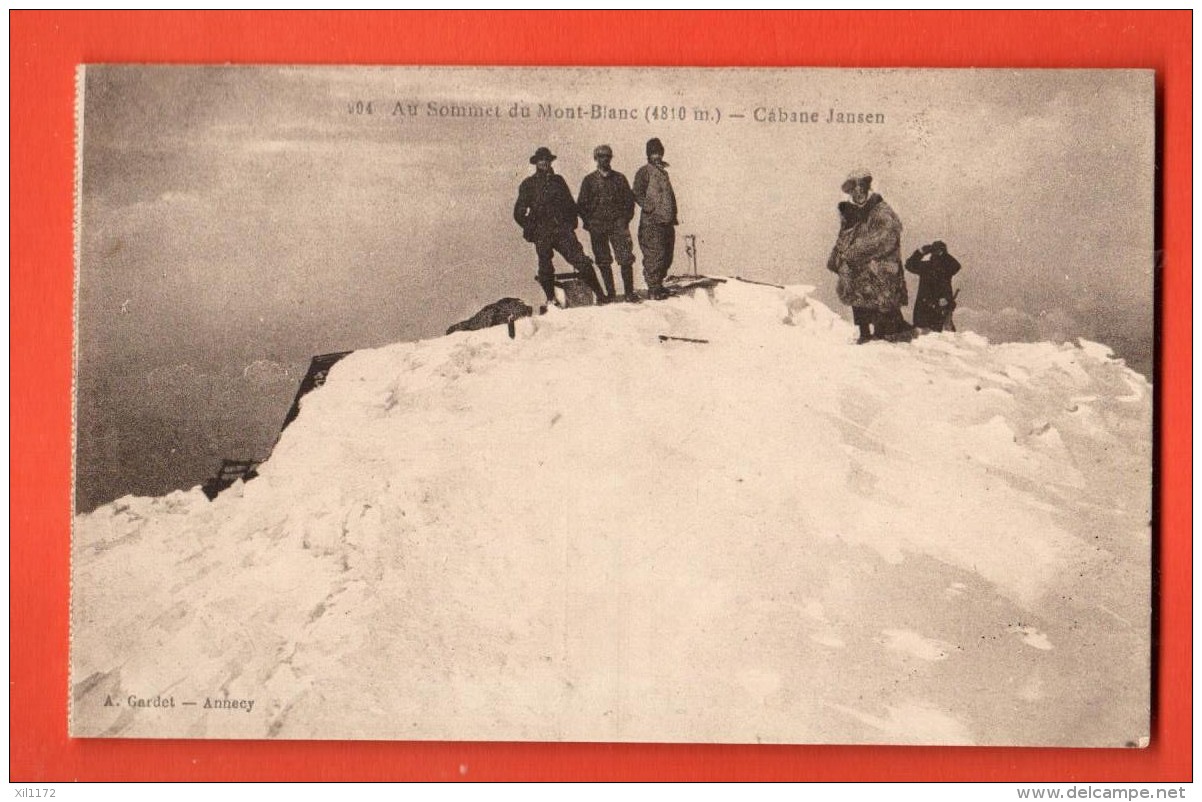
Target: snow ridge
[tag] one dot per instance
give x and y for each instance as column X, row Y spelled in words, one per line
column 587, row 533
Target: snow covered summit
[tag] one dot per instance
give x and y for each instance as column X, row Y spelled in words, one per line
column 591, row 533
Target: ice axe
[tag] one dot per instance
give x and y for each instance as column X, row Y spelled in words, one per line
column 948, row 323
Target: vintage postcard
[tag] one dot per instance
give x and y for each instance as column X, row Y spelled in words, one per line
column 645, row 405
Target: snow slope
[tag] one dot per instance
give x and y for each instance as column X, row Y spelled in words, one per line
column 585, row 533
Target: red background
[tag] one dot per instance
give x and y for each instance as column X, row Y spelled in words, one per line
column 47, row 46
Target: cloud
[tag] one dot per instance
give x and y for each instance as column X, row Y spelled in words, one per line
column 175, row 378
column 251, row 220
column 174, row 197
column 1014, row 325
column 184, row 391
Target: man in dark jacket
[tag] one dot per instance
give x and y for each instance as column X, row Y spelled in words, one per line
column 606, row 206
column 935, row 302
column 547, row 214
column 657, row 224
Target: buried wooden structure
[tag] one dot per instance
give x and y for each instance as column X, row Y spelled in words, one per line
column 231, row 470
column 571, row 291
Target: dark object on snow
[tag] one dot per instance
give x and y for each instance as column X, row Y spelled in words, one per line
column 663, row 338
column 690, row 250
column 678, row 285
column 889, row 326
column 898, row 331
column 935, row 302
column 762, row 283
column 503, row 311
column 231, row 470
column 893, row 327
column 575, row 291
column 319, row 367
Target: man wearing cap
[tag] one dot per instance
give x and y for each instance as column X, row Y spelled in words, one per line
column 657, row 224
column 867, row 258
column 934, row 302
column 606, row 206
column 547, row 214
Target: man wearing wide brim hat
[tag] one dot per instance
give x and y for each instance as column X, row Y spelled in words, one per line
column 547, row 214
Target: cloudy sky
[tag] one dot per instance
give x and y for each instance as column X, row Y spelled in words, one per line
column 236, row 221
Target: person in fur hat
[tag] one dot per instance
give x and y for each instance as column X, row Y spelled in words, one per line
column 867, row 259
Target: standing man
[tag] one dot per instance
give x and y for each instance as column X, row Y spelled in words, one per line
column 657, row 224
column 547, row 214
column 606, row 206
column 935, row 302
column 867, row 259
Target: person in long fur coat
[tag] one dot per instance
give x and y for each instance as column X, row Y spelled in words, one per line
column 867, row 259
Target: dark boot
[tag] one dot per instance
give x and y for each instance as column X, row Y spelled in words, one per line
column 865, row 334
column 893, row 327
column 628, row 279
column 548, row 285
column 589, row 277
column 628, row 282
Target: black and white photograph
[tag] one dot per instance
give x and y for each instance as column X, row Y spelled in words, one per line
column 654, row 405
